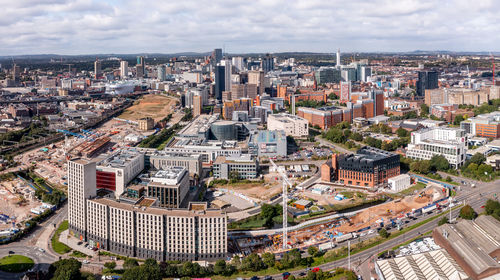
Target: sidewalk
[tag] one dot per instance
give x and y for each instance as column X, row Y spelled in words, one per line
column 72, row 242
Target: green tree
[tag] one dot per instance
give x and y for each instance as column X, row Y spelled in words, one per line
column 356, row 136
column 439, row 162
column 424, row 110
column 269, row 259
column 401, row 132
column 458, row 119
column 267, row 211
column 190, row 269
column 129, row 263
column 467, row 213
column 252, row 262
column 443, row 221
column 491, row 206
column 66, row 269
column 383, row 233
column 312, row 251
column 236, row 261
column 110, row 265
column 220, row 267
column 477, row 158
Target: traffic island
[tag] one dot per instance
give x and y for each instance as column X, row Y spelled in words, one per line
column 16, row 263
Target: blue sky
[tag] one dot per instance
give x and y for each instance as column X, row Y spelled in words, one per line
column 123, row 26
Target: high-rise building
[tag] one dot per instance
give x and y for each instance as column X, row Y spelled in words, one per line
column 81, row 187
column 267, row 63
column 220, row 84
column 426, row 80
column 140, row 67
column 97, row 69
column 228, row 70
column 162, row 73
column 257, row 78
column 327, row 75
column 365, row 73
column 338, row 58
column 123, row 69
column 216, row 56
column 238, row 63
column 16, row 72
column 197, row 105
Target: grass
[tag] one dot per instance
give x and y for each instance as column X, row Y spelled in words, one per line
column 411, row 190
column 16, row 263
column 57, row 246
column 78, row 254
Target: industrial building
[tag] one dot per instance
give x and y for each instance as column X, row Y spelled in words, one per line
column 243, row 167
column 474, row 244
column 399, row 183
column 292, row 125
column 269, row 143
column 448, row 142
column 437, row 264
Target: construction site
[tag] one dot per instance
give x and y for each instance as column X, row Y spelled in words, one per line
column 342, row 227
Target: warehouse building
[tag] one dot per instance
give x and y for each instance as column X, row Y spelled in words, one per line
column 474, row 244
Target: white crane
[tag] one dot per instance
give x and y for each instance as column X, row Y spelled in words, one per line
column 286, row 183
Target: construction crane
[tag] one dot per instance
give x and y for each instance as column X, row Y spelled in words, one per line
column 493, row 64
column 286, row 183
column 468, row 75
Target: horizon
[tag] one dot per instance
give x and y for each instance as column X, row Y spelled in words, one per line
column 80, row 27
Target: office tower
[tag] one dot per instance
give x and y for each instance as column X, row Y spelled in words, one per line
column 257, row 78
column 81, row 187
column 16, row 72
column 238, row 63
column 123, row 69
column 197, row 105
column 243, row 90
column 97, row 69
column 216, row 56
column 327, row 75
column 426, row 80
column 220, row 84
column 162, row 73
column 267, row 63
column 338, row 58
column 228, row 70
column 140, row 67
column 365, row 73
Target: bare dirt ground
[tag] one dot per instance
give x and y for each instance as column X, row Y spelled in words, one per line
column 10, row 202
column 150, row 105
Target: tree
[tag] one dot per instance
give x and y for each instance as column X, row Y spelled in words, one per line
column 110, row 265
column 458, row 119
column 478, row 158
column 269, row 259
column 267, row 211
column 401, row 132
column 443, row 221
column 439, row 162
column 150, row 270
column 66, row 269
column 312, row 251
column 236, row 261
column 491, row 206
column 356, row 136
column 383, row 233
column 190, row 269
column 220, row 267
column 252, row 262
column 424, row 110
column 129, row 263
column 467, row 213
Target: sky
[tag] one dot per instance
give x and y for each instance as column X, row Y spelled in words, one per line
column 72, row 27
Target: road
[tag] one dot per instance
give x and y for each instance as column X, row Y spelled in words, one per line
column 29, row 245
column 474, row 197
column 331, row 145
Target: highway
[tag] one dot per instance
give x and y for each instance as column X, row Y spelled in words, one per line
column 474, row 197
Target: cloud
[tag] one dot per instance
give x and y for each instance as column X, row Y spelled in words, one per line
column 166, row 26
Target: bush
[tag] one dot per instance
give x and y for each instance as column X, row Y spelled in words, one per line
column 383, row 233
column 443, row 221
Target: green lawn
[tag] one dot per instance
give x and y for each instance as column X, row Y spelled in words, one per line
column 78, row 254
column 16, row 263
column 59, row 247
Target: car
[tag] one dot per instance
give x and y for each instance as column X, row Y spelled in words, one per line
column 41, row 250
column 267, row 277
column 85, row 262
column 286, row 275
column 302, row 273
column 79, row 243
column 11, row 252
column 254, row 278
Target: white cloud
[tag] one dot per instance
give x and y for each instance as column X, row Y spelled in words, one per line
column 131, row 26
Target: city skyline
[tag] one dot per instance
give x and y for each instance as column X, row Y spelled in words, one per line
column 73, row 27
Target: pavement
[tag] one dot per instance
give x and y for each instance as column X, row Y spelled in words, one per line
column 332, row 145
